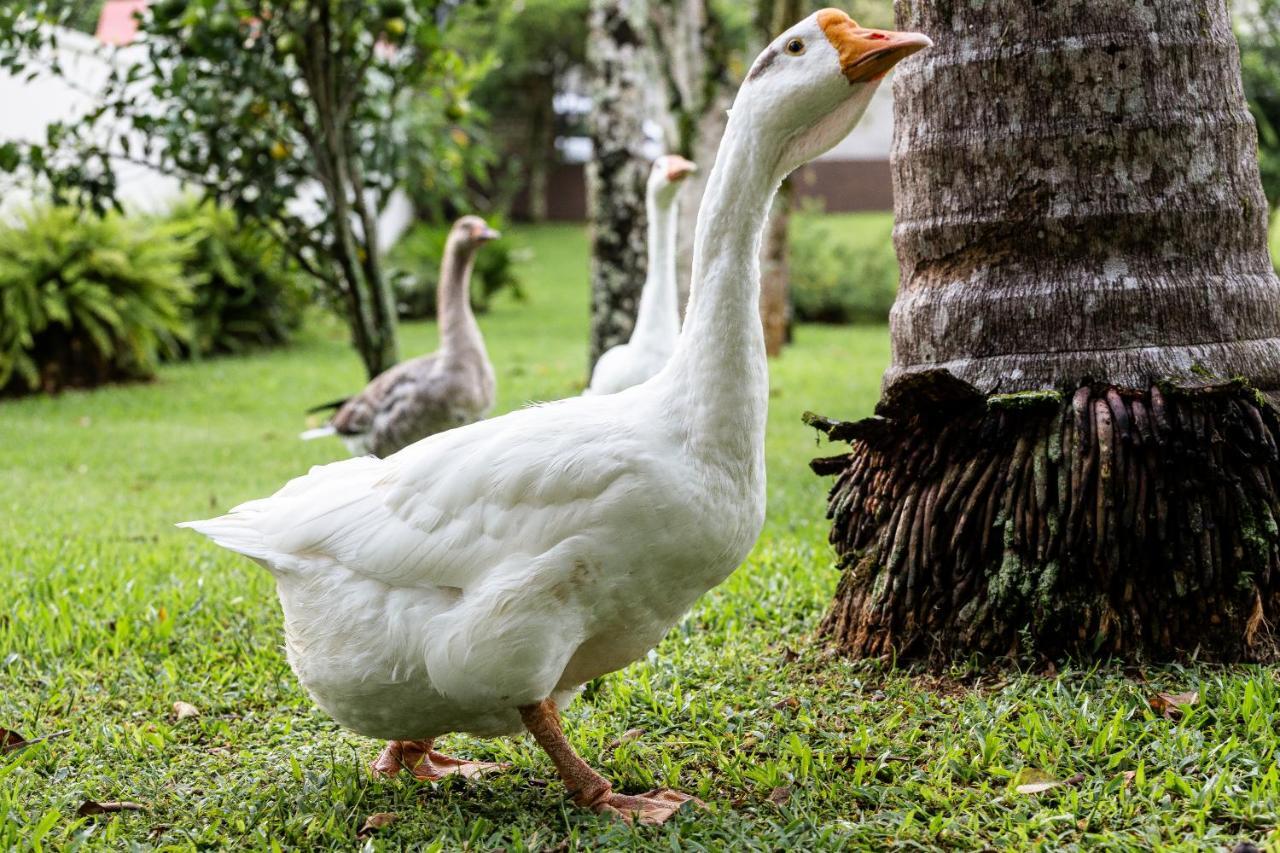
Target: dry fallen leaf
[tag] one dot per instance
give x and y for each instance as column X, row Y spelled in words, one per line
column 91, row 807
column 374, row 822
column 11, row 740
column 183, row 710
column 626, row 737
column 780, row 795
column 790, row 702
column 1171, row 705
column 1128, row 777
column 1033, row 781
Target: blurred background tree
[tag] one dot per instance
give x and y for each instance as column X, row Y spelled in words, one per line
column 298, row 114
column 538, row 44
column 1258, row 31
column 82, row 15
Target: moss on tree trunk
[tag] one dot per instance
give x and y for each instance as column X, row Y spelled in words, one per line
column 1081, row 231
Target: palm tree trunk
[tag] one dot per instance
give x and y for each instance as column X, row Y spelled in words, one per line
column 1074, row 451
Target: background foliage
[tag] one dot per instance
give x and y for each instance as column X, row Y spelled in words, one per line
column 245, row 291
column 86, row 300
column 1259, row 36
column 843, row 267
column 299, row 114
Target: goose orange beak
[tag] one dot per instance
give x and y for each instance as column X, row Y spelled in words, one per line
column 679, row 168
column 866, row 54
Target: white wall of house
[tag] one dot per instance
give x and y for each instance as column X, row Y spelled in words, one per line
column 28, row 107
column 872, row 139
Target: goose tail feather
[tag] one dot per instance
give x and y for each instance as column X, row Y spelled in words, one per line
column 318, row 432
column 332, row 404
column 233, row 532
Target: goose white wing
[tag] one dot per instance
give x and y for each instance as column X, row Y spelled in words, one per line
column 449, row 509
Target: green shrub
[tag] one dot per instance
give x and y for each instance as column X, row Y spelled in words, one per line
column 245, row 291
column 843, row 268
column 415, row 271
column 86, row 300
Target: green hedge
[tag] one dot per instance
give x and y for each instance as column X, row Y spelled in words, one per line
column 843, row 267
column 86, row 300
column 245, row 292
column 414, row 266
column 844, row 270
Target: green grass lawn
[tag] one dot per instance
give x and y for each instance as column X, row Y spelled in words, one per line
column 111, row 615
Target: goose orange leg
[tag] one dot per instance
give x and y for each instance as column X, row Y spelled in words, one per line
column 590, row 789
column 418, row 757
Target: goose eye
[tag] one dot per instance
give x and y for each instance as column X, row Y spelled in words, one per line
column 795, row 47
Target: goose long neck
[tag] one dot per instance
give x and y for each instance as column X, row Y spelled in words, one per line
column 658, row 319
column 719, row 363
column 459, row 332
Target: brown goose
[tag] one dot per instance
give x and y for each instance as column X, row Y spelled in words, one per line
column 431, row 393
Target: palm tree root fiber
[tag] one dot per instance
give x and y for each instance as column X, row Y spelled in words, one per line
column 1140, row 524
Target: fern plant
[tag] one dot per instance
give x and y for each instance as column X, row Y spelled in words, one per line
column 86, row 300
column 245, row 291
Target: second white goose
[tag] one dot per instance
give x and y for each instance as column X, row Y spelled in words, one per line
column 658, row 316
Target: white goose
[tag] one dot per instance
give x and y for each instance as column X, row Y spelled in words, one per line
column 431, row 393
column 475, row 580
column 658, row 317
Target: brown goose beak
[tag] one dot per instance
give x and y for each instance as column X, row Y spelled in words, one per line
column 866, row 54
column 679, row 168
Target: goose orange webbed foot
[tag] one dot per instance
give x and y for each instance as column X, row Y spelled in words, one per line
column 650, row 808
column 591, row 790
column 418, row 757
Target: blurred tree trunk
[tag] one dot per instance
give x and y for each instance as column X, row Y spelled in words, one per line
column 772, row 17
column 542, row 138
column 775, row 275
column 1074, row 452
column 621, row 80
column 694, row 59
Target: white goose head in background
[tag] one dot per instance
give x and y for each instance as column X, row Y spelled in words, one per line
column 657, row 327
column 475, row 580
column 665, row 178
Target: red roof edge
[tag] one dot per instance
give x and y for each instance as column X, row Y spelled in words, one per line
column 116, row 25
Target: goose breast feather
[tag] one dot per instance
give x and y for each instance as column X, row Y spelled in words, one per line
column 503, row 561
column 626, row 365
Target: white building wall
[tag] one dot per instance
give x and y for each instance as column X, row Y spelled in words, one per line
column 28, row 107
